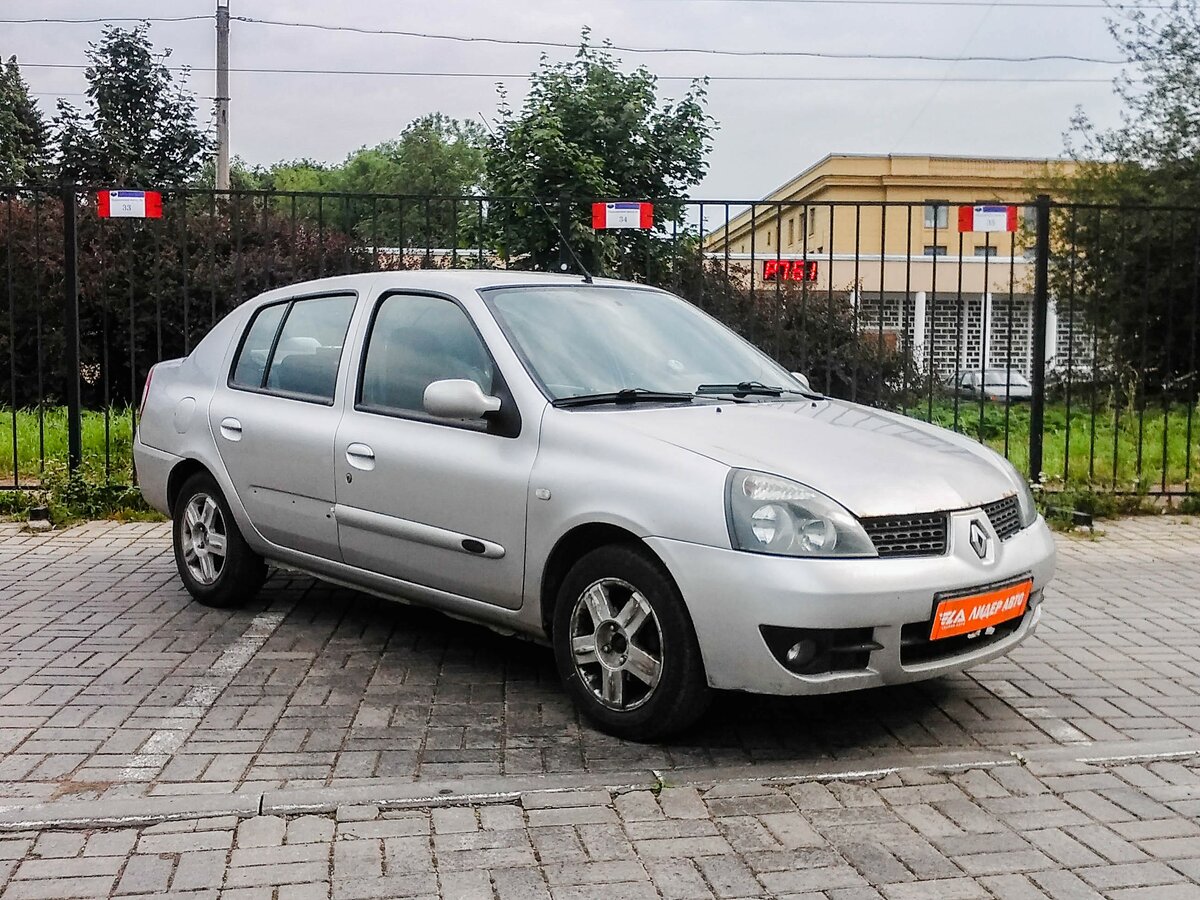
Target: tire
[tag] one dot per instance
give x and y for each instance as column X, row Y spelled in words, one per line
column 642, row 676
column 213, row 578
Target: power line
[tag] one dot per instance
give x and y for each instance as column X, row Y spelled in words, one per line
column 709, row 51
column 104, row 20
column 713, row 78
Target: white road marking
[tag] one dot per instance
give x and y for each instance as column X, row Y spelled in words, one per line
column 176, row 725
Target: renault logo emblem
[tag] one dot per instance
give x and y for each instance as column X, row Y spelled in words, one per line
column 979, row 539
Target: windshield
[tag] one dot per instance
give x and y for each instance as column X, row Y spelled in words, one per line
column 997, row 379
column 580, row 340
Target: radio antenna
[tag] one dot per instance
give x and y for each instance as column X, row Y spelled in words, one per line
column 587, row 276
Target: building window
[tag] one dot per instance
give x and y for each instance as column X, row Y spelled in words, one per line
column 935, row 249
column 812, row 221
column 987, row 251
column 791, row 231
column 768, row 239
column 937, row 213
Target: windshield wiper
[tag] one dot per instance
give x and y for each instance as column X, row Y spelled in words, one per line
column 742, row 389
column 626, row 396
column 751, row 389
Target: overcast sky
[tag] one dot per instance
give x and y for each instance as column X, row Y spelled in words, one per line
column 768, row 131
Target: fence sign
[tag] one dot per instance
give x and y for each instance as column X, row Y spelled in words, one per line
column 622, row 215
column 987, row 218
column 129, row 205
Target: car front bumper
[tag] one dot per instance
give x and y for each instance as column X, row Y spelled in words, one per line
column 732, row 594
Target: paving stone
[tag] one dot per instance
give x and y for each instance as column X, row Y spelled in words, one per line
column 261, row 831
column 472, row 885
column 381, row 691
column 678, row 879
column 146, row 874
column 309, row 830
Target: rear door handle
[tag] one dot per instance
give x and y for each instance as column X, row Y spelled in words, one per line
column 231, row 429
column 360, row 456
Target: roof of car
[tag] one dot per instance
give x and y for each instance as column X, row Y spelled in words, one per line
column 435, row 279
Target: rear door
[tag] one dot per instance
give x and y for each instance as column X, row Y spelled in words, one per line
column 436, row 502
column 276, row 416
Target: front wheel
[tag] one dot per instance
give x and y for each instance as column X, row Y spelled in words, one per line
column 625, row 645
column 216, row 565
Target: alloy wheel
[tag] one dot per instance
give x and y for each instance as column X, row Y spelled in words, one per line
column 204, row 539
column 616, row 644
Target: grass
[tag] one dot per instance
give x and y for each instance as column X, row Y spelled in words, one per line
column 1119, row 451
column 1086, row 480
column 101, row 489
column 42, row 443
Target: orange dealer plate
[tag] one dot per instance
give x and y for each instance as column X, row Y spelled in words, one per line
column 963, row 615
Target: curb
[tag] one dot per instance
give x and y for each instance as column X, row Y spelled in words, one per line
column 126, row 812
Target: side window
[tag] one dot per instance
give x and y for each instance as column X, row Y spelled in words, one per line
column 256, row 347
column 303, row 360
column 414, row 342
column 310, row 347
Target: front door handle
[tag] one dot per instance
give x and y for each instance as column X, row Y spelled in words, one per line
column 360, row 456
column 231, row 429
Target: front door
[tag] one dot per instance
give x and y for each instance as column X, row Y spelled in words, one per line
column 276, row 418
column 439, row 503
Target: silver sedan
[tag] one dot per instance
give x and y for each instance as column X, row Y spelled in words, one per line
column 600, row 466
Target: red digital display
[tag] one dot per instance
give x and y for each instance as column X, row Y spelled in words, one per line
column 790, row 270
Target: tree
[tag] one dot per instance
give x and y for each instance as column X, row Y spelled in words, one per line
column 434, row 157
column 1132, row 268
column 588, row 131
column 23, row 135
column 140, row 128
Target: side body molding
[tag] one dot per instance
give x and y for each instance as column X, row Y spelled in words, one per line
column 391, row 526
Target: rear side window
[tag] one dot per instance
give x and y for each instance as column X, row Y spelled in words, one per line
column 294, row 349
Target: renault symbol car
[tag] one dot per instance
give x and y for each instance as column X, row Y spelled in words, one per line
column 596, row 465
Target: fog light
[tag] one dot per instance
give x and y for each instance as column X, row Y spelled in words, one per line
column 801, row 653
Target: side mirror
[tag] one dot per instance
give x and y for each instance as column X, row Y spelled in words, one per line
column 803, row 379
column 458, row 398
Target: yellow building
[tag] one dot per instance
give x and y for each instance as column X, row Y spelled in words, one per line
column 884, row 234
column 837, row 206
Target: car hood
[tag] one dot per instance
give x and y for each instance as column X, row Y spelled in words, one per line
column 872, row 462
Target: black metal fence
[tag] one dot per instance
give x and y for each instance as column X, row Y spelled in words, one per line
column 915, row 307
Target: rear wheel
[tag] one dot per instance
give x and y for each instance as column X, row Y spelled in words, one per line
column 625, row 646
column 216, row 565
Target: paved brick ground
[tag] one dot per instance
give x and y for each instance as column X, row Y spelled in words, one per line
column 113, row 684
column 1071, row 831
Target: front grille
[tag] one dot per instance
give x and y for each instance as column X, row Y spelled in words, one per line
column 923, row 534
column 1005, row 516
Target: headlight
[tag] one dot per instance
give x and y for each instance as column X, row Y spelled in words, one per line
column 1025, row 502
column 768, row 514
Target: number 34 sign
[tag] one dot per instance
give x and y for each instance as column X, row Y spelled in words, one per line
column 129, row 205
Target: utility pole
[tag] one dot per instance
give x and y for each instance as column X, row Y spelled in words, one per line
column 222, row 95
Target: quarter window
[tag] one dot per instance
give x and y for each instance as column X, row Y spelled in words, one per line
column 294, row 349
column 414, row 342
column 256, row 348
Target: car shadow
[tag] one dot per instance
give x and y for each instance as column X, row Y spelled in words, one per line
column 501, row 695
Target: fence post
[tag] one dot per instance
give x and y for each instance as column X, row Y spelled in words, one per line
column 1041, row 305
column 71, row 326
column 564, row 229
